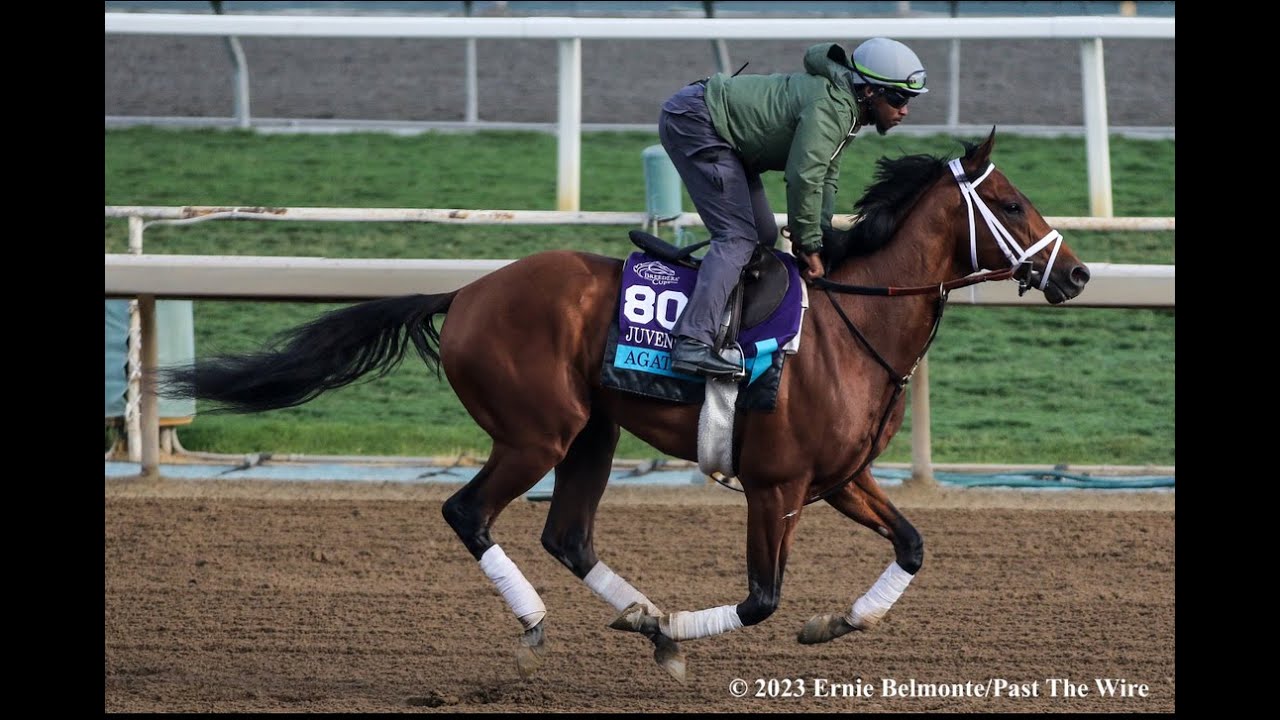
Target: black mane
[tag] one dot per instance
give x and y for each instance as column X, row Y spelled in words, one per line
column 898, row 183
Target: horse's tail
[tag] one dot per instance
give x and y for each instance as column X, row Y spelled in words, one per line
column 334, row 350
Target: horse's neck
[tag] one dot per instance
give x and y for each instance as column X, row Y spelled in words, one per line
column 920, row 254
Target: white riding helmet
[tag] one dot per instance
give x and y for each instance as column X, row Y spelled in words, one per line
column 881, row 61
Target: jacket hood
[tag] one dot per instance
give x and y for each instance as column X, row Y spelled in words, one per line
column 830, row 61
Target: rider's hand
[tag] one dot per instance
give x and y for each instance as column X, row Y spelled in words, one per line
column 812, row 268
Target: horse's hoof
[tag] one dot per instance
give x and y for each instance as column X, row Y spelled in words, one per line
column 824, row 628
column 532, row 648
column 636, row 618
column 528, row 660
column 669, row 656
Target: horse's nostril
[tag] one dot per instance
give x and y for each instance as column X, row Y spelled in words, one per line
column 1080, row 275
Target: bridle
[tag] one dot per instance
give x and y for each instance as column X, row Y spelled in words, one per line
column 1004, row 240
column 1019, row 269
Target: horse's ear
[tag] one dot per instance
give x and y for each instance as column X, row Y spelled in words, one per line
column 983, row 154
column 976, row 160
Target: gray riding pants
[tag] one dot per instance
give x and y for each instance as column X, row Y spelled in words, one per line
column 729, row 198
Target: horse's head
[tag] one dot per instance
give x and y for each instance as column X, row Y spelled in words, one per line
column 978, row 219
column 1002, row 229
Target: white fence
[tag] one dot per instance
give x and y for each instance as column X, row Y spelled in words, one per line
column 148, row 277
column 569, row 33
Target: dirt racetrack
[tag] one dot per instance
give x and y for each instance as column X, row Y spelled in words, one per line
column 302, row 597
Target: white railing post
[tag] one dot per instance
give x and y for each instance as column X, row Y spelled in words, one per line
column 133, row 390
column 1096, row 141
column 472, row 114
column 150, row 404
column 241, row 80
column 921, row 440
column 142, row 408
column 569, row 144
column 473, row 93
column 953, row 92
column 718, row 47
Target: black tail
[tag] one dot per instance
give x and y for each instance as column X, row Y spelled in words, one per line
column 334, row 350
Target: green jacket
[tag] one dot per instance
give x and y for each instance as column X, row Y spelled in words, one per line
column 800, row 123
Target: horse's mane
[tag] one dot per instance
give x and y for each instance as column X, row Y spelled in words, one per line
column 898, row 184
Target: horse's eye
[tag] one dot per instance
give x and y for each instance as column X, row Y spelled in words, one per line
column 1013, row 208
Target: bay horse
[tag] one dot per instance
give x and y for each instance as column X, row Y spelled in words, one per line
column 523, row 348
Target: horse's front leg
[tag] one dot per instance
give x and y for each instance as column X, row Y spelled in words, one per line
column 864, row 502
column 772, row 516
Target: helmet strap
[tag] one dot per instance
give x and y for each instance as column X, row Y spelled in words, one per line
column 864, row 97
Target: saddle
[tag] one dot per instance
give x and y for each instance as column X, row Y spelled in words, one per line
column 757, row 295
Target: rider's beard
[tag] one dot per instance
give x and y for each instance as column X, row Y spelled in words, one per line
column 881, row 127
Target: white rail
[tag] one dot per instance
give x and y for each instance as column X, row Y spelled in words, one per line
column 569, row 33
column 457, row 216
column 568, row 28
column 239, row 277
column 148, row 277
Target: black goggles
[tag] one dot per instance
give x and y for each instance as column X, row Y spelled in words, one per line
column 896, row 98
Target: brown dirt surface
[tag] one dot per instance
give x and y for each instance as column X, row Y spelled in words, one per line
column 309, row 597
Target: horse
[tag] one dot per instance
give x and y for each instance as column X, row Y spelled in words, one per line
column 523, row 346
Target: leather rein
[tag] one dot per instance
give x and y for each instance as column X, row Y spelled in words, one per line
column 898, row 381
column 1020, row 269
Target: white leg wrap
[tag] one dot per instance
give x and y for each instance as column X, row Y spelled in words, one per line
column 702, row 623
column 870, row 608
column 611, row 588
column 519, row 594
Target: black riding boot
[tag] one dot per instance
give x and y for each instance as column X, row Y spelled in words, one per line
column 697, row 358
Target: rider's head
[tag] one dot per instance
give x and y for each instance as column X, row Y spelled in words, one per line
column 885, row 75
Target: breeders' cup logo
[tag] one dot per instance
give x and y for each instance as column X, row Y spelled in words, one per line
column 656, row 273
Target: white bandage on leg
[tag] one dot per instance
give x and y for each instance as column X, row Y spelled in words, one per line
column 699, row 624
column 870, row 608
column 611, row 588
column 519, row 594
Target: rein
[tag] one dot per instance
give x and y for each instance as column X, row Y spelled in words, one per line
column 829, row 286
column 899, row 382
column 1019, row 269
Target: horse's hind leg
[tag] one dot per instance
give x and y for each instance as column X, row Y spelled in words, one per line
column 471, row 512
column 864, row 502
column 569, row 533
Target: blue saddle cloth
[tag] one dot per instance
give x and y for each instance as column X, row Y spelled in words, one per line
column 637, row 356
